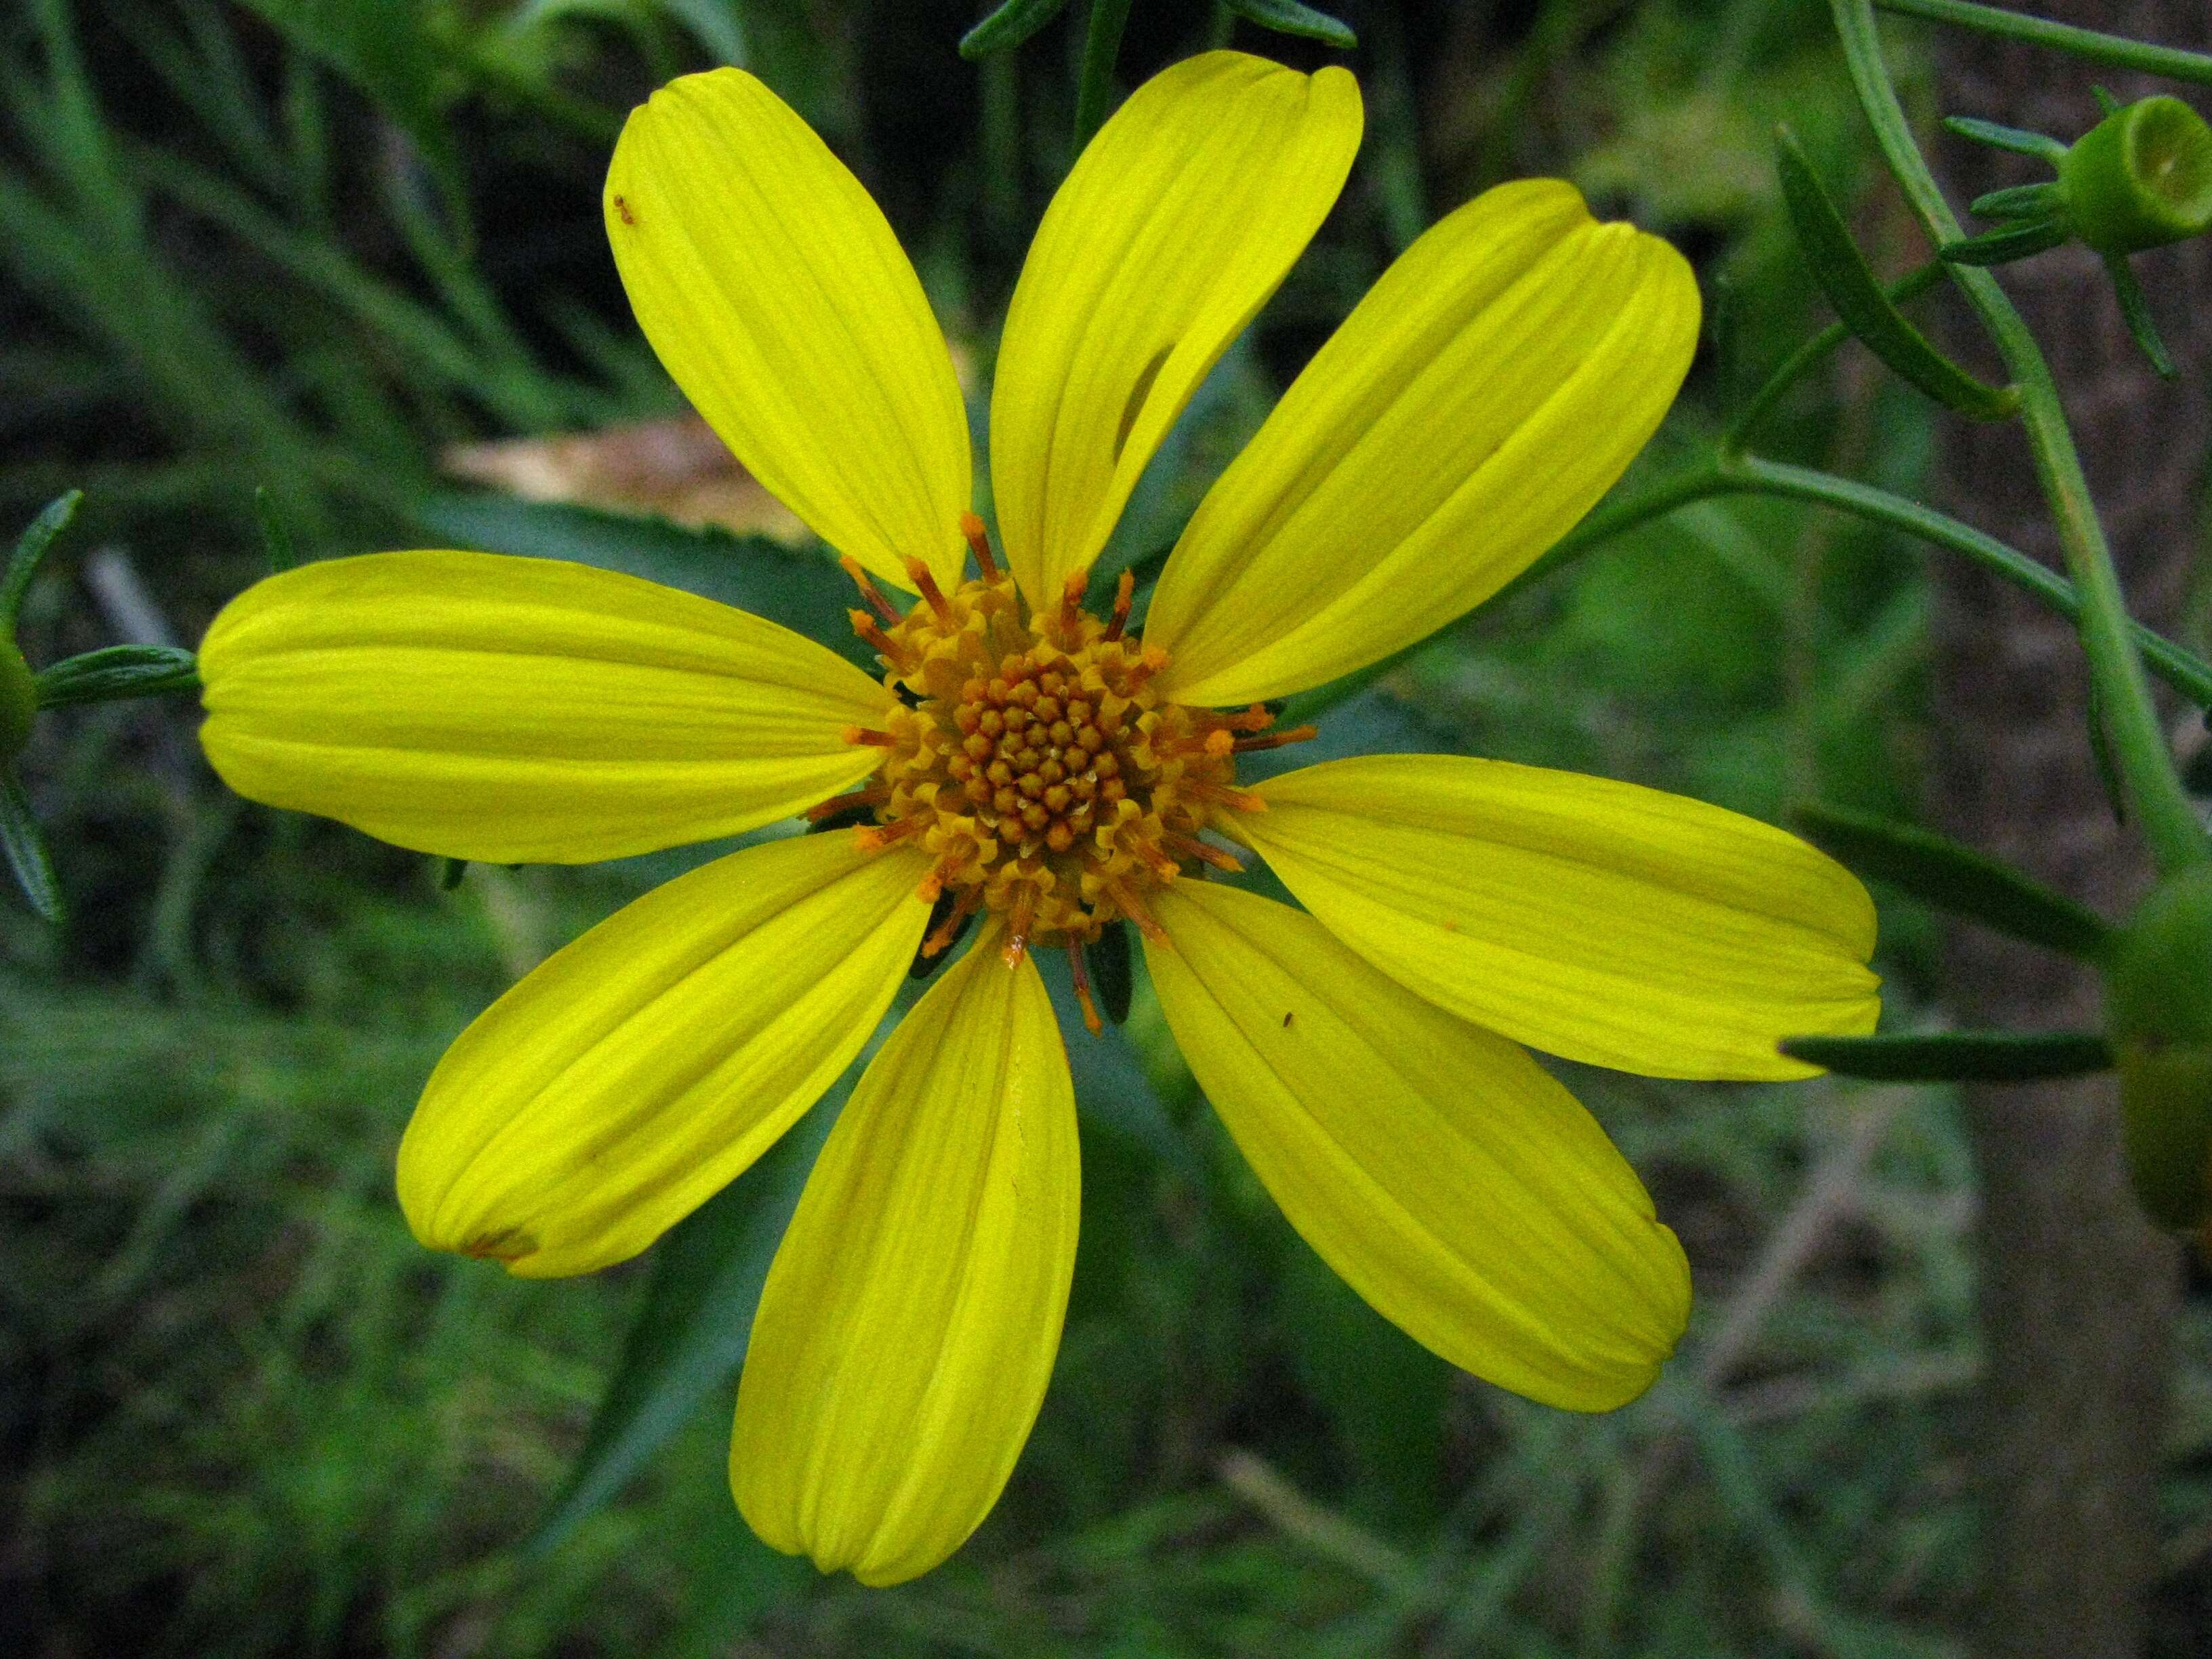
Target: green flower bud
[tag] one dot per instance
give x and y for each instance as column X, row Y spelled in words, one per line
column 2158, row 1005
column 19, row 700
column 2140, row 177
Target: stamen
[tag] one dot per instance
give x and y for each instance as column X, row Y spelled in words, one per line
column 979, row 544
column 1275, row 739
column 1243, row 799
column 1133, row 907
column 1160, row 863
column 1092, row 1023
column 1190, row 846
column 869, row 591
column 970, row 900
column 1071, row 604
column 874, row 837
column 1254, row 718
column 888, row 648
column 868, row 737
column 1124, row 595
column 874, row 795
column 926, row 584
column 1017, row 927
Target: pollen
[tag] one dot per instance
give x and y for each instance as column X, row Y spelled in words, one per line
column 1029, row 756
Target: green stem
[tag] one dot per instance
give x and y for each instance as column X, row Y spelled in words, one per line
column 1755, row 475
column 1808, row 357
column 2138, row 743
column 2114, row 50
column 1102, row 46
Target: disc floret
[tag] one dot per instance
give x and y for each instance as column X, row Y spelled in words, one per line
column 1032, row 756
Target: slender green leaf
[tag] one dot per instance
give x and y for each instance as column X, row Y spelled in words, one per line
column 2002, row 246
column 690, row 1332
column 1939, row 872
column 27, row 850
column 119, row 672
column 802, row 590
column 30, row 548
column 2135, row 311
column 2019, row 201
column 1288, row 17
column 1958, row 1056
column 2019, row 143
column 1865, row 309
column 1008, row 27
column 1107, row 960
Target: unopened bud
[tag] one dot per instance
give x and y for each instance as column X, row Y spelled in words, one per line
column 2140, row 177
column 19, row 700
column 2158, row 999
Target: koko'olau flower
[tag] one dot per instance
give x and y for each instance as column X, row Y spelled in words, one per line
column 1042, row 774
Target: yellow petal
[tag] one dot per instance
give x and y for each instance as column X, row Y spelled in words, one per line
column 522, row 710
column 1436, row 1167
column 779, row 300
column 1600, row 921
column 1175, row 227
column 1485, row 392
column 633, row 1074
column 910, row 1321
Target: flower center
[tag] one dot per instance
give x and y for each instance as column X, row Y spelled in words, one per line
column 1029, row 754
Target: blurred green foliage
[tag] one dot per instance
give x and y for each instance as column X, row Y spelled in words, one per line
column 303, row 245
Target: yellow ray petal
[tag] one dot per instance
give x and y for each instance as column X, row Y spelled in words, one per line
column 779, row 300
column 1485, row 392
column 522, row 710
column 1436, row 1167
column 1600, row 921
column 1175, row 225
column 910, row 1321
column 633, row 1074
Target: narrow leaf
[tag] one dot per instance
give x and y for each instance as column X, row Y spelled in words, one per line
column 2135, row 311
column 31, row 547
column 802, row 590
column 690, row 1332
column 1939, row 872
column 1865, row 309
column 27, row 850
column 275, row 538
column 2002, row 138
column 2018, row 202
column 1008, row 27
column 1107, row 959
column 2002, row 246
column 119, row 672
column 451, row 873
column 1288, row 17
column 1957, row 1056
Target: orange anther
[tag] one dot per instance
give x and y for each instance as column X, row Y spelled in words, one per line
column 979, row 544
column 868, row 737
column 926, row 584
column 874, row 837
column 1276, row 740
column 873, row 795
column 965, row 906
column 1081, row 973
column 869, row 591
column 1071, row 604
column 1124, row 595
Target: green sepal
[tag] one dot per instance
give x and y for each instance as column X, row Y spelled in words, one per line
column 2135, row 312
column 1288, row 17
column 19, row 700
column 27, row 850
column 2140, row 177
column 31, row 547
column 277, row 544
column 1957, row 1056
column 1941, row 872
column 2002, row 246
column 2158, row 1006
column 117, row 673
column 1998, row 136
column 2019, row 201
column 1008, row 27
column 1865, row 309
column 1106, row 958
column 451, row 873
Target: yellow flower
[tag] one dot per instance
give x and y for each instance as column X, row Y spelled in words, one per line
column 1034, row 764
